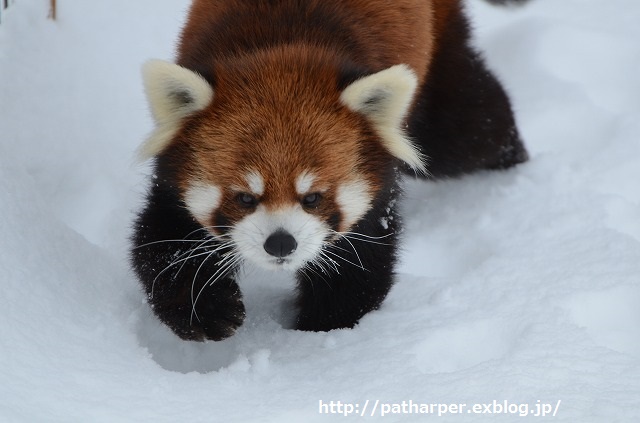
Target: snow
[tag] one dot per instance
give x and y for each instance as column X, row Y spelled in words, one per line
column 519, row 286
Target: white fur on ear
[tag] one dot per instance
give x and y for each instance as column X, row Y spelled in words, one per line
column 173, row 93
column 384, row 98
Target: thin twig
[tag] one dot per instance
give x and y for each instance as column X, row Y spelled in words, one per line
column 52, row 10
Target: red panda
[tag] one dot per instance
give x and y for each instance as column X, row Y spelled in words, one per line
column 280, row 137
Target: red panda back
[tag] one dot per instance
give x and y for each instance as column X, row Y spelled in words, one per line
column 373, row 34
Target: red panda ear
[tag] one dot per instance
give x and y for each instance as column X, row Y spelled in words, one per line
column 384, row 98
column 173, row 93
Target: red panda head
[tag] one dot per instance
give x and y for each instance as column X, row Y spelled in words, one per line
column 277, row 158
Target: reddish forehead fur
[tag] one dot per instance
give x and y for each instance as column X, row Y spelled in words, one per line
column 280, row 117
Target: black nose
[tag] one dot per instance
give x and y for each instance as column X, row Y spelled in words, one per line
column 280, row 244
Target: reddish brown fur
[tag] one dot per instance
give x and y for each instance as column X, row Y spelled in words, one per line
column 443, row 12
column 287, row 56
column 311, row 132
column 374, row 33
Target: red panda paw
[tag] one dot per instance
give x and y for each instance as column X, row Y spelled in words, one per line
column 217, row 314
column 218, row 319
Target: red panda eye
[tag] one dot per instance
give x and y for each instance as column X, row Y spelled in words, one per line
column 247, row 200
column 312, row 200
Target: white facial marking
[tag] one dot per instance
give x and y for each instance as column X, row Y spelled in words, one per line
column 201, row 200
column 304, row 182
column 250, row 234
column 354, row 199
column 255, row 182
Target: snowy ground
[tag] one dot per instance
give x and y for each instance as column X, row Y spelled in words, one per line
column 520, row 286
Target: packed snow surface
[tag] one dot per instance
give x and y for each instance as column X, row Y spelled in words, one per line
column 518, row 286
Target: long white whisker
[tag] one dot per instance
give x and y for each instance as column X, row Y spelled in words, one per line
column 320, row 264
column 310, row 269
column 355, row 251
column 175, row 262
column 362, row 237
column 195, row 277
column 166, row 240
column 344, row 259
column 222, row 271
column 193, row 283
column 201, row 246
column 206, row 228
column 209, row 236
column 329, row 261
column 307, row 277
